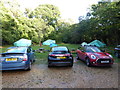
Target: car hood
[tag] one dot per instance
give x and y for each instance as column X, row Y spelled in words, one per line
column 101, row 55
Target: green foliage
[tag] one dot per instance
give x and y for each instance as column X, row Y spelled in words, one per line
column 44, row 23
column 103, row 24
column 16, row 25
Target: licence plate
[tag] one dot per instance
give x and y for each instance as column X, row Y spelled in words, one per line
column 11, row 59
column 104, row 61
column 61, row 57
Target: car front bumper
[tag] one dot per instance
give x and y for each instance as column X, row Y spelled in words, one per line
column 101, row 64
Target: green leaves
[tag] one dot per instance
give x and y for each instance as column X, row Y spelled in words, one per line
column 103, row 25
column 36, row 25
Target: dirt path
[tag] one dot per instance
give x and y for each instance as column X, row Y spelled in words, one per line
column 79, row 76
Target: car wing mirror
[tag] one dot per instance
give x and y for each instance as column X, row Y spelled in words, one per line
column 103, row 50
column 33, row 50
column 82, row 50
column 78, row 47
column 48, row 50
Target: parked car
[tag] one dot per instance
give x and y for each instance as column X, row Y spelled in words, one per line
column 17, row 58
column 117, row 51
column 92, row 55
column 60, row 56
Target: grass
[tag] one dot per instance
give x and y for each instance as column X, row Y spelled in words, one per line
column 42, row 57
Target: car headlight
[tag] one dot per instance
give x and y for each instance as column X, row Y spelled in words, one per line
column 111, row 56
column 93, row 56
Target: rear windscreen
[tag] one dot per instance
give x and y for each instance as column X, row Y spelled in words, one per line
column 56, row 49
column 60, row 52
column 17, row 50
column 12, row 54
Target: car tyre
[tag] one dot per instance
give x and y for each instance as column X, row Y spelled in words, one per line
column 78, row 57
column 71, row 64
column 49, row 65
column 88, row 62
column 29, row 67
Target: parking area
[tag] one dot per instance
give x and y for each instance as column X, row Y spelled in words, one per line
column 78, row 76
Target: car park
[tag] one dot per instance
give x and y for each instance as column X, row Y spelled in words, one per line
column 93, row 56
column 60, row 56
column 17, row 58
column 117, row 51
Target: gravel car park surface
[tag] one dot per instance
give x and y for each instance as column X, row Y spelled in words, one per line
column 78, row 76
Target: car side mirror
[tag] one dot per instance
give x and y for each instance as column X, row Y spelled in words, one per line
column 78, row 47
column 82, row 50
column 103, row 50
column 33, row 50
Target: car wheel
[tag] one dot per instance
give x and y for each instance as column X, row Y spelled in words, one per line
column 71, row 64
column 49, row 65
column 29, row 67
column 34, row 59
column 78, row 57
column 88, row 62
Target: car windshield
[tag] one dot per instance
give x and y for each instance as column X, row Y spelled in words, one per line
column 17, row 50
column 93, row 49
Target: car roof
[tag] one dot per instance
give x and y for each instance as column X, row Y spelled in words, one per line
column 17, row 50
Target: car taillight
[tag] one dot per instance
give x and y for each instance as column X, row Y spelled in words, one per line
column 51, row 55
column 25, row 58
column 67, row 55
column 0, row 55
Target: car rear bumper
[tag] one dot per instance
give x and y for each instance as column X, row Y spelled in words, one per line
column 13, row 66
column 62, row 62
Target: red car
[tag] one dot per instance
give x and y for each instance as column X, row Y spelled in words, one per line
column 93, row 56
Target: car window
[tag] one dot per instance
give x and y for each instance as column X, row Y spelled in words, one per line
column 81, row 48
column 29, row 50
column 92, row 49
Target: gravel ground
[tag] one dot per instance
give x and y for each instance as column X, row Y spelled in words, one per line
column 79, row 76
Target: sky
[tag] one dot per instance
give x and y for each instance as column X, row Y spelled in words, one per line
column 70, row 9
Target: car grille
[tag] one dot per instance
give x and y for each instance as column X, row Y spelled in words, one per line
column 99, row 60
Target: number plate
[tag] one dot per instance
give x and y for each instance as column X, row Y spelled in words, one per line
column 104, row 61
column 61, row 57
column 11, row 59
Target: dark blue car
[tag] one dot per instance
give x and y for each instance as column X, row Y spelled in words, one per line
column 17, row 58
column 60, row 56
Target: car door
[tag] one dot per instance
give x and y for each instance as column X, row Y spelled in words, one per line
column 83, row 54
column 80, row 52
column 30, row 53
